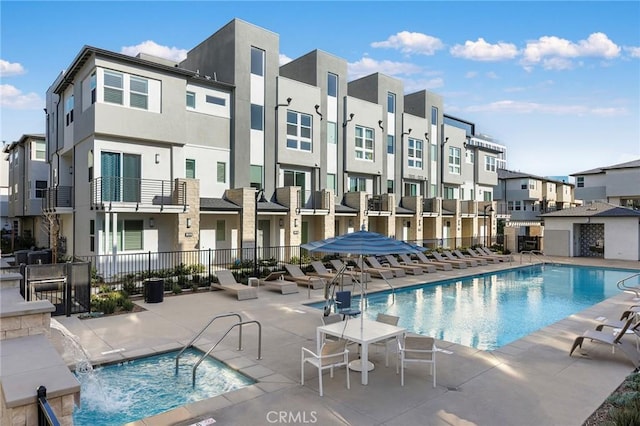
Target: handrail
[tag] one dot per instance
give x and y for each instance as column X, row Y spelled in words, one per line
column 188, row 345
column 195, row 366
column 46, row 416
column 621, row 285
column 537, row 254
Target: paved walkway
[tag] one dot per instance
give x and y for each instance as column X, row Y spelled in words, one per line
column 532, row 381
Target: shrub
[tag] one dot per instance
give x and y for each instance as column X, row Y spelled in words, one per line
column 176, row 289
column 105, row 303
column 127, row 305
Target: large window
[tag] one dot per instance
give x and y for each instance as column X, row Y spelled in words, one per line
column 454, row 160
column 221, row 172
column 391, row 103
column 41, row 187
column 120, row 177
column 332, row 85
column 68, row 110
column 410, row 189
column 129, row 236
column 449, row 193
column 255, row 177
column 331, row 182
column 490, row 163
column 298, row 131
column 113, row 87
column 190, row 169
column 391, row 144
column 580, row 182
column 364, row 143
column 414, row 154
column 39, row 150
column 139, row 92
column 357, row 184
column 257, row 61
column 332, row 132
column 256, row 117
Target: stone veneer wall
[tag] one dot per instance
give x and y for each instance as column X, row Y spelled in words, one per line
column 27, row 415
column 25, row 325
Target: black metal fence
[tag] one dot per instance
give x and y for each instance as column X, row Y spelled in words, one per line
column 46, row 416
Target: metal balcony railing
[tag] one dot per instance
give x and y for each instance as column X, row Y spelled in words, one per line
column 60, row 196
column 431, row 205
column 374, row 203
column 109, row 190
column 312, row 199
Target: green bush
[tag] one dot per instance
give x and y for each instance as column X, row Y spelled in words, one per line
column 628, row 415
column 127, row 305
column 176, row 289
column 105, row 303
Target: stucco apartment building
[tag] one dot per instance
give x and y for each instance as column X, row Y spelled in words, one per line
column 618, row 184
column 163, row 156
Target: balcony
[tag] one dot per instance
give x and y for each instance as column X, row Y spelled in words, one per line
column 313, row 202
column 377, row 205
column 431, row 207
column 134, row 194
column 57, row 199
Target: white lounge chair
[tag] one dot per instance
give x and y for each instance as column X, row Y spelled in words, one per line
column 296, row 274
column 451, row 256
column 385, row 273
column 501, row 257
column 460, row 264
column 227, row 282
column 476, row 255
column 426, row 267
column 339, row 265
column 332, row 355
column 444, row 266
column 276, row 281
column 417, row 349
column 615, row 340
column 321, row 271
column 373, row 261
column 461, row 255
column 409, row 269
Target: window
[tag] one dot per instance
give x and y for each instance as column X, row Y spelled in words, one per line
column 528, row 183
column 39, row 150
column 92, row 235
column 298, row 131
column 454, row 160
column 120, row 177
column 490, row 163
column 532, row 184
column 510, row 205
column 139, row 92
column 132, row 235
column 469, row 157
column 68, row 110
column 434, row 152
column 433, row 190
column 256, row 117
column 331, row 181
column 391, row 103
column 257, row 61
column 255, row 177
column 391, row 144
column 332, row 85
column 551, row 187
column 357, row 184
column 190, row 169
column 410, row 189
column 216, row 100
column 191, row 100
column 364, row 143
column 41, row 187
column 415, row 153
column 580, row 181
column 93, row 83
column 113, row 86
column 390, row 186
column 221, row 230
column 434, row 116
column 332, row 132
column 518, row 205
column 221, row 172
column 488, row 196
column 294, row 178
column 449, row 193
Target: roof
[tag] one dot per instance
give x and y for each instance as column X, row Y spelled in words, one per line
column 270, row 206
column 626, row 165
column 402, row 210
column 341, row 208
column 9, row 146
column 218, row 204
column 510, row 174
column 596, row 209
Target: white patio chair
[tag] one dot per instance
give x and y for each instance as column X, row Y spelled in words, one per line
column 417, row 349
column 332, row 354
column 388, row 343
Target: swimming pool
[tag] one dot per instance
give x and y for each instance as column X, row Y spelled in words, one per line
column 488, row 311
column 129, row 391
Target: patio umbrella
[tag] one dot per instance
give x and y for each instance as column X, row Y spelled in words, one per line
column 362, row 243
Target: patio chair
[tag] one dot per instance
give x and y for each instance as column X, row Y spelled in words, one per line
column 227, row 282
column 444, row 266
column 331, row 319
column 296, row 274
column 417, row 349
column 276, row 281
column 384, row 273
column 332, row 355
column 321, row 271
column 461, row 255
column 343, row 304
column 455, row 263
column 501, row 257
column 426, row 267
column 397, row 272
column 476, row 255
column 409, row 269
column 615, row 340
column 339, row 265
column 451, row 256
column 390, row 343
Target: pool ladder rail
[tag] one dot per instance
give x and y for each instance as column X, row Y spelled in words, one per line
column 629, row 289
column 238, row 324
column 537, row 255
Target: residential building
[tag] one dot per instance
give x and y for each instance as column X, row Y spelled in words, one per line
column 618, row 184
column 5, row 223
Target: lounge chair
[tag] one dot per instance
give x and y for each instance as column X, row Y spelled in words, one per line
column 615, row 340
column 460, row 264
column 340, row 266
column 227, row 282
column 426, row 267
column 461, row 255
column 296, row 274
column 321, row 271
column 444, row 266
column 451, row 256
column 409, row 269
column 397, row 272
column 475, row 255
column 501, row 257
column 384, row 273
column 276, row 281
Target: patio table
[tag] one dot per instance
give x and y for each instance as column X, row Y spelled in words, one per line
column 362, row 331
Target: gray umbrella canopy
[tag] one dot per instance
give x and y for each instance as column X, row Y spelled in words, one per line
column 362, row 243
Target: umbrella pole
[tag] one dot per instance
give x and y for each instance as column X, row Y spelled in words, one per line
column 361, row 294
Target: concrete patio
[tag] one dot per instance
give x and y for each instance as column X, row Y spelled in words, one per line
column 531, row 381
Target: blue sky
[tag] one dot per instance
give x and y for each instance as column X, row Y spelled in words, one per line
column 557, row 82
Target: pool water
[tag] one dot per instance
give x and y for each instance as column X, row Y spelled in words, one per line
column 488, row 311
column 129, row 391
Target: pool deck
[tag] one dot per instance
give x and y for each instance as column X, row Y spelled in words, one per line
column 531, row 381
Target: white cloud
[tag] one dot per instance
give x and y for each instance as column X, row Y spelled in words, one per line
column 415, row 85
column 492, row 75
column 482, row 51
column 408, row 42
column 555, row 53
column 152, row 48
column 284, row 59
column 471, row 74
column 13, row 98
column 634, row 52
column 366, row 66
column 522, row 107
column 10, row 68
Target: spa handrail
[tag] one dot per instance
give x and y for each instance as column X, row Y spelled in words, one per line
column 195, row 366
column 621, row 285
column 537, row 254
column 197, row 336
